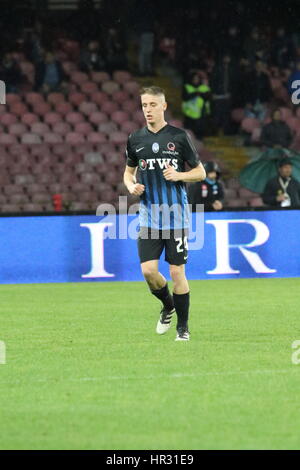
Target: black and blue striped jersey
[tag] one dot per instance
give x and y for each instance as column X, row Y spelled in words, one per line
column 164, row 204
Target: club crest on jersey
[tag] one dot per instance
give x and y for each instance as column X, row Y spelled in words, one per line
column 155, row 147
column 142, row 164
column 171, row 146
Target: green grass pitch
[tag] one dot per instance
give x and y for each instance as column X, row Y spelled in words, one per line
column 85, row 369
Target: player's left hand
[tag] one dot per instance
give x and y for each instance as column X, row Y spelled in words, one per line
column 170, row 174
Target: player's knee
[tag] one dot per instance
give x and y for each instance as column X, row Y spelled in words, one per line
column 149, row 273
column 177, row 273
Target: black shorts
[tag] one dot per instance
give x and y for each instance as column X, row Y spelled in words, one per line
column 151, row 244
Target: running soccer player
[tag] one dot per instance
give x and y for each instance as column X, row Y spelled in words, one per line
column 159, row 151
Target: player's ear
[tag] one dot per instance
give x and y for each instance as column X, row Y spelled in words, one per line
column 165, row 105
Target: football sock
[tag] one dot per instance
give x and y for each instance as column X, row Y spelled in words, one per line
column 164, row 295
column 182, row 304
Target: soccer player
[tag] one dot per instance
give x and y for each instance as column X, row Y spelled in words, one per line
column 160, row 152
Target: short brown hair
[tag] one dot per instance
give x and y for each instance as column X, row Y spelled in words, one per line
column 152, row 90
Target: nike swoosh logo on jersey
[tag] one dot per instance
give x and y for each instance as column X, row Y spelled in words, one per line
column 138, row 150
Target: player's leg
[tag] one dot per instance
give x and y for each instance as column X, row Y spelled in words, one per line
column 149, row 252
column 181, row 296
column 176, row 256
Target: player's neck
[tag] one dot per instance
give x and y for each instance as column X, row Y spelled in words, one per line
column 156, row 126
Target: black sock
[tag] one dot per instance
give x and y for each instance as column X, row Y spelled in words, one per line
column 182, row 304
column 164, row 295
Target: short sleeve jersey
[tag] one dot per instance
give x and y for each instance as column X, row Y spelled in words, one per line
column 164, row 204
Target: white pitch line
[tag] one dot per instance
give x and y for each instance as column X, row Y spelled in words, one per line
column 152, row 377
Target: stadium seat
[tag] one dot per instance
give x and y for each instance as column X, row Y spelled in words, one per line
column 39, row 128
column 67, row 178
column 52, row 138
column 63, row 108
column 233, row 183
column 17, row 129
column 12, row 98
column 121, row 76
column 90, row 178
column 120, row 96
column 61, row 128
column 61, row 149
column 41, row 198
column 87, row 108
column 119, row 117
column 33, row 98
column 110, row 87
column 29, row 118
column 30, row 138
column 132, row 88
column 99, row 77
column 23, row 179
column 41, row 108
column 99, row 98
column 130, row 106
column 138, row 116
column 52, row 118
column 109, row 107
column 82, row 149
column 93, row 158
column 96, row 137
column 7, row 119
column 68, row 66
column 107, row 127
column 98, row 117
column 18, row 199
column 32, row 207
column 74, row 138
column 79, row 77
column 84, row 128
column 10, row 208
column 74, row 117
column 89, row 88
column 7, row 139
column 54, row 98
column 129, row 126
column 77, row 98
column 118, row 137
column 40, row 150
column 35, row 188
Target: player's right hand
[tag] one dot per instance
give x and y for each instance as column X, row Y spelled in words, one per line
column 137, row 189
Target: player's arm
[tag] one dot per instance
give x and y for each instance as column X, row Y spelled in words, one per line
column 130, row 181
column 129, row 177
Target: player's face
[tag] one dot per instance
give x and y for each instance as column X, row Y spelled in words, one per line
column 153, row 107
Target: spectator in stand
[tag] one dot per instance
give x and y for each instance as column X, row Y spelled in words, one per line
column 209, row 192
column 253, row 44
column 259, row 84
column 232, row 43
column 49, row 75
column 282, row 49
column 196, row 105
column 10, row 73
column 115, row 51
column 145, row 26
column 276, row 134
column 222, row 85
column 91, row 58
column 283, row 190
